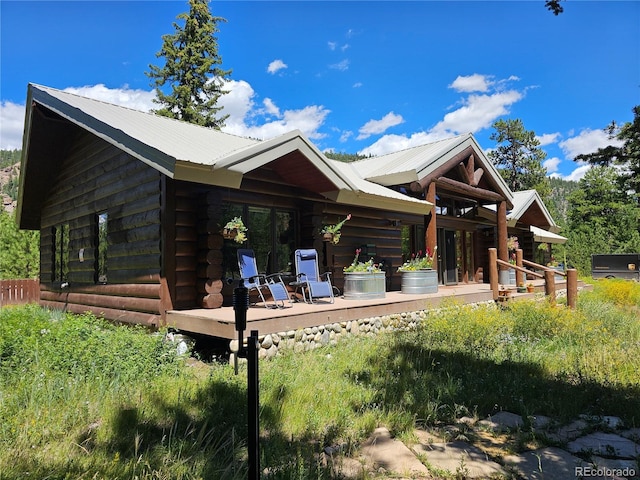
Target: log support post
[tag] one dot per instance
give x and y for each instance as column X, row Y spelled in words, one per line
column 431, row 234
column 550, row 286
column 503, row 252
column 519, row 275
column 572, row 287
column 493, row 272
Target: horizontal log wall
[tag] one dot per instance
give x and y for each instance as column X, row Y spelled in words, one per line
column 97, row 177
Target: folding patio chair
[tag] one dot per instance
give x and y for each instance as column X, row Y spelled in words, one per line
column 258, row 281
column 313, row 284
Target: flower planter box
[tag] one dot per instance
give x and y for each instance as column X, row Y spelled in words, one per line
column 364, row 285
column 420, row 281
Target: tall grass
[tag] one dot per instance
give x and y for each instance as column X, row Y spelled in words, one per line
column 83, row 399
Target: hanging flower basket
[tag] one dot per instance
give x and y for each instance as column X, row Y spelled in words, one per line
column 327, row 237
column 235, row 230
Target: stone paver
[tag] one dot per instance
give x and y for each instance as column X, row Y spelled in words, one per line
column 384, row 457
column 607, row 444
column 545, row 464
column 502, row 422
column 392, row 455
column 459, row 458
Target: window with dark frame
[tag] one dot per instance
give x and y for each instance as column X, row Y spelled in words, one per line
column 102, row 222
column 271, row 234
column 60, row 247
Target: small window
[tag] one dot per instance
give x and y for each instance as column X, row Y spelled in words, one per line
column 60, row 252
column 101, row 247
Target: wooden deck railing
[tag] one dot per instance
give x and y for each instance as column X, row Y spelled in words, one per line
column 521, row 272
column 13, row 292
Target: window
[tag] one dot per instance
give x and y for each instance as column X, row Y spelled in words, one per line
column 101, row 247
column 271, row 234
column 60, row 252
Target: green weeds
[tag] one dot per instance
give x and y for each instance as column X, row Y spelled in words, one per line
column 81, row 398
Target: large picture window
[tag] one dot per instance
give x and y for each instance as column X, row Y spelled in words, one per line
column 271, row 234
column 60, row 252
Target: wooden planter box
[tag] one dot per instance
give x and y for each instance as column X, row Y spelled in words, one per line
column 420, row 281
column 364, row 285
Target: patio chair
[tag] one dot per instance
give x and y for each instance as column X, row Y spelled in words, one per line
column 258, row 281
column 312, row 283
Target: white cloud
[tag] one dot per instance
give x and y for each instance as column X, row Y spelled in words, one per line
column 374, row 127
column 548, row 138
column 238, row 103
column 12, row 114
column 551, row 164
column 477, row 113
column 248, row 121
column 394, row 143
column 332, row 45
column 11, row 125
column 357, row 85
column 276, row 66
column 271, row 107
column 131, row 98
column 578, row 173
column 472, row 83
column 587, row 141
column 342, row 66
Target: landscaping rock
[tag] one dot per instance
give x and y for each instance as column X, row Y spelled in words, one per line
column 545, row 464
column 460, row 459
column 392, row 455
column 502, row 422
column 606, row 444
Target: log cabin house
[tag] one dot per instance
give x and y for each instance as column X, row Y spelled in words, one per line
column 130, row 207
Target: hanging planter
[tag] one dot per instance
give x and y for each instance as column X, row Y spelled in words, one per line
column 331, row 233
column 327, row 237
column 235, row 230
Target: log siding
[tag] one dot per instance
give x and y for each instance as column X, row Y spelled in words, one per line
column 96, row 177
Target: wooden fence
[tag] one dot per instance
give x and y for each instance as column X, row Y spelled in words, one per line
column 13, row 292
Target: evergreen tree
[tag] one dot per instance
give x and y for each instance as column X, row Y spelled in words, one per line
column 518, row 158
column 625, row 156
column 192, row 69
column 601, row 218
column 20, row 254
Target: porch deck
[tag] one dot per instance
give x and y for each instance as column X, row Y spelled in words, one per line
column 220, row 322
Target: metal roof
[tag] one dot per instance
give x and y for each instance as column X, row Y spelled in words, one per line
column 524, row 200
column 415, row 163
column 185, row 151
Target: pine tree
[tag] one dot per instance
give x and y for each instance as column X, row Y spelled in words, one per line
column 192, row 69
column 518, row 157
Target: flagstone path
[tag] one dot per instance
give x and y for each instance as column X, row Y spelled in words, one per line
column 588, row 448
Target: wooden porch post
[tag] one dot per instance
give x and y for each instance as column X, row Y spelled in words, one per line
column 550, row 286
column 493, row 272
column 431, row 234
column 503, row 253
column 572, row 287
column 519, row 275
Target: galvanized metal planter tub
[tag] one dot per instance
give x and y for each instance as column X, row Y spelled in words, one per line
column 364, row 285
column 420, row 281
column 507, row 277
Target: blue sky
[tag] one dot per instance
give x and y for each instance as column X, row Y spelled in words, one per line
column 365, row 76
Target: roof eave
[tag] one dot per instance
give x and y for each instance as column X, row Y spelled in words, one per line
column 363, row 199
